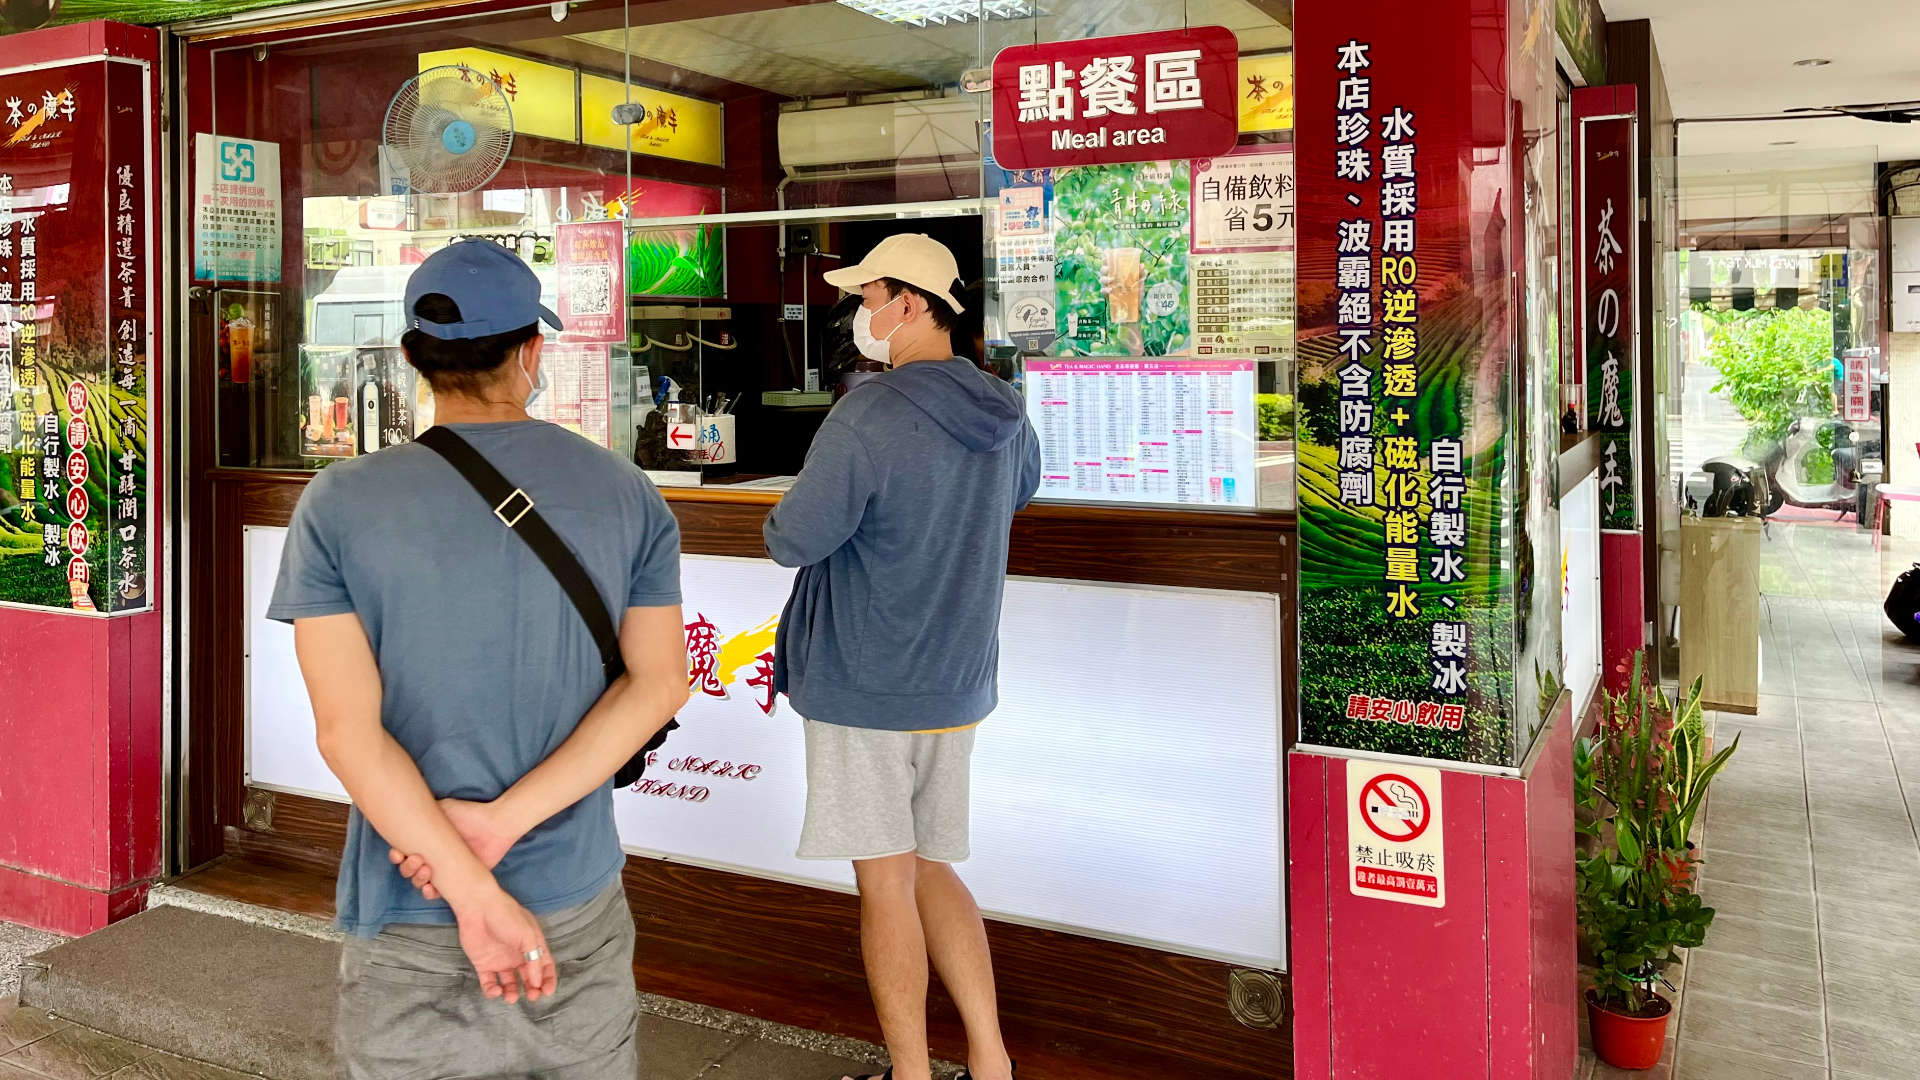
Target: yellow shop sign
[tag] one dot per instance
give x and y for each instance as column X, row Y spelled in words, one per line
column 1266, row 92
column 544, row 97
column 677, row 127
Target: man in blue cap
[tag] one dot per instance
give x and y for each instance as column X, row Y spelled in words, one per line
column 462, row 701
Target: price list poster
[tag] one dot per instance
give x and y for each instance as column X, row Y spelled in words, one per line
column 1415, row 486
column 75, row 326
column 1242, row 265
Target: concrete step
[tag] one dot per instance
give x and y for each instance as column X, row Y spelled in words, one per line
column 214, row 989
column 252, row 990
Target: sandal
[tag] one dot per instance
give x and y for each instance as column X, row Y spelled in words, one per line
column 888, row 1075
column 1013, row 1067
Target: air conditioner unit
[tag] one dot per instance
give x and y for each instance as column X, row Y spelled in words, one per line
column 892, row 131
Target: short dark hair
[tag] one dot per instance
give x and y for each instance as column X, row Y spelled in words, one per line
column 463, row 365
column 942, row 312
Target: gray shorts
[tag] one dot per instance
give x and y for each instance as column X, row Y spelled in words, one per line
column 871, row 794
column 411, row 1007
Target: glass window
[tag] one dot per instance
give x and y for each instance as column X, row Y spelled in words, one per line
column 681, row 185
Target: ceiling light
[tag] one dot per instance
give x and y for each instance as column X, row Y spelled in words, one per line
column 941, row 12
column 1812, row 61
column 1785, row 142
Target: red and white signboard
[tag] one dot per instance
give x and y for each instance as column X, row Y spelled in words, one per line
column 592, row 263
column 683, row 436
column 1139, row 97
column 1395, row 834
column 1857, row 390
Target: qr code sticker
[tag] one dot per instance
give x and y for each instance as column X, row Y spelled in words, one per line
column 590, row 290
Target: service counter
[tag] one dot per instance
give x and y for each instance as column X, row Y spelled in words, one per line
column 1128, row 802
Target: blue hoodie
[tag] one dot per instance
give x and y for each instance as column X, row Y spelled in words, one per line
column 899, row 523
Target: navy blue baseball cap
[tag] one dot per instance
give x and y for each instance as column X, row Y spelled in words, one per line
column 496, row 292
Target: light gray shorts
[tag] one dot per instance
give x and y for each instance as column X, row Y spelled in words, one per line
column 871, row 794
column 411, row 1006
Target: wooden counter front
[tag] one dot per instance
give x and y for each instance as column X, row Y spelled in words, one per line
column 1246, row 551
column 1197, row 549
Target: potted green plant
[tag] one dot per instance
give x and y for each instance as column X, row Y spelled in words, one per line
column 1639, row 783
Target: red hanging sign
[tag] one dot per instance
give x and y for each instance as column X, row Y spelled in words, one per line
column 1138, row 97
column 1857, row 402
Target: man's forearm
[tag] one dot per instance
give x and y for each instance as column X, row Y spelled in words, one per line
column 617, row 726
column 387, row 787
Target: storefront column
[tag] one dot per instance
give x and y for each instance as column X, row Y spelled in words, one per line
column 1606, row 201
column 1430, row 803
column 82, row 715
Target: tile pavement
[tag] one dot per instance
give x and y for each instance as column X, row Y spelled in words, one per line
column 1812, row 968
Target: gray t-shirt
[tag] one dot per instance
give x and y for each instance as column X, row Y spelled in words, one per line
column 485, row 665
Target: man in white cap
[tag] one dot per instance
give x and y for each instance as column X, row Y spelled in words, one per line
column 889, row 645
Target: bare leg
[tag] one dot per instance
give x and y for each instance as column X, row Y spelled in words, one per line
column 957, row 940
column 895, row 950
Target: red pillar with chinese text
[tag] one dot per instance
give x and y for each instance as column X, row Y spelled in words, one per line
column 82, row 632
column 1430, row 795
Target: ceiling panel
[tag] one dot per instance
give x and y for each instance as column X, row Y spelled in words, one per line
column 1723, row 59
column 823, row 49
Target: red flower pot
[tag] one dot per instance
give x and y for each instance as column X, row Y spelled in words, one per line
column 1629, row 1042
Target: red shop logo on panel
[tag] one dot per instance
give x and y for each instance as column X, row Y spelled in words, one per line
column 1139, row 97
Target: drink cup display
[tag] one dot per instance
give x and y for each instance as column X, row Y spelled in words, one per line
column 1123, row 273
column 240, row 349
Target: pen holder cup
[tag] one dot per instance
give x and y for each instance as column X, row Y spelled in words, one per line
column 717, row 439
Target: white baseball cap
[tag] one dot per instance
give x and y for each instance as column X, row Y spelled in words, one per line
column 915, row 258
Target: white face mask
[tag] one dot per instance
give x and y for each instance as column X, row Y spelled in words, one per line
column 871, row 347
column 535, row 387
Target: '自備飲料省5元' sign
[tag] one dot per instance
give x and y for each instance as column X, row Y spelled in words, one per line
column 1138, row 97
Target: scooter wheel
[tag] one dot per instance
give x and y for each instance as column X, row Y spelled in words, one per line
column 1775, row 500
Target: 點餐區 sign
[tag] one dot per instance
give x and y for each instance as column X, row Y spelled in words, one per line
column 1139, row 97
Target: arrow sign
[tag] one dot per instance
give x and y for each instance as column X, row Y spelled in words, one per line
column 679, row 435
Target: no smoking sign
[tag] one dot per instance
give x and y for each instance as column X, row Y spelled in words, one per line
column 1395, row 835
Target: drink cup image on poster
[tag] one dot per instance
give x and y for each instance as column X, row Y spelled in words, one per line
column 249, row 333
column 328, row 419
column 1120, row 259
column 1396, row 834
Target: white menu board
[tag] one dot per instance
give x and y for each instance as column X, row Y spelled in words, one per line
column 1159, row 430
column 579, row 393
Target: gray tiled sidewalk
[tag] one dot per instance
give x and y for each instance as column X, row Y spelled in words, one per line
column 35, row 1046
column 1812, row 968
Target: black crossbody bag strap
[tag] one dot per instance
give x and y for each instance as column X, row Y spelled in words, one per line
column 516, row 511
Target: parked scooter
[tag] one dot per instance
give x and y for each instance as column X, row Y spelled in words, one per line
column 1857, row 469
